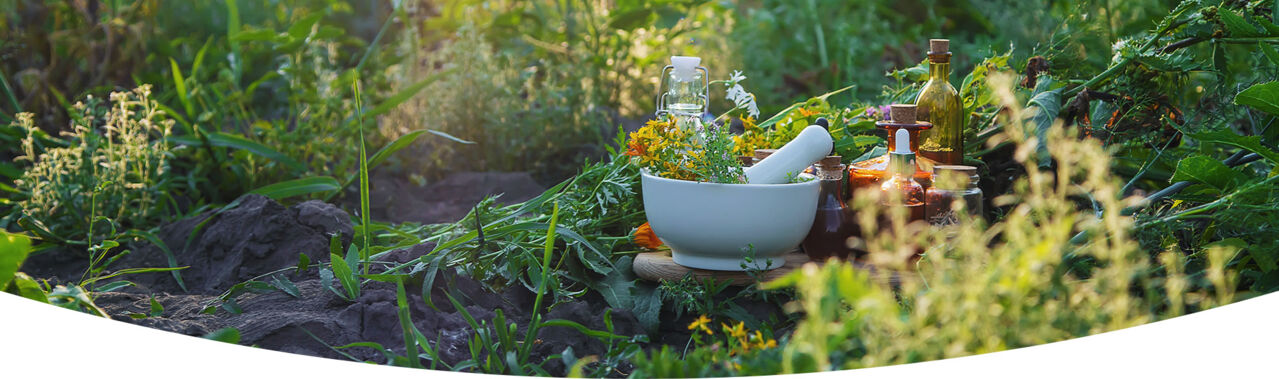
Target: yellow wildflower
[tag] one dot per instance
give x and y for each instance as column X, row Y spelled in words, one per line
column 700, row 323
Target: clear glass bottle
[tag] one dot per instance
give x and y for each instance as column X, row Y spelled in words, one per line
column 833, row 223
column 872, row 171
column 940, row 105
column 954, row 185
column 686, row 91
column 901, row 189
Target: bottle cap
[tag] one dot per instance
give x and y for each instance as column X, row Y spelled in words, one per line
column 830, row 161
column 903, row 113
column 938, row 169
column 764, row 153
column 938, row 46
column 685, row 67
column 945, row 176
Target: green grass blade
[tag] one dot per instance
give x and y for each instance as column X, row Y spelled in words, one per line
column 364, row 178
column 297, row 187
column 406, row 325
column 168, row 255
column 406, row 94
column 222, row 139
column 180, row 85
column 233, row 28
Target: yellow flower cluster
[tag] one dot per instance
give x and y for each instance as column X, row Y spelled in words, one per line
column 665, row 149
column 739, row 339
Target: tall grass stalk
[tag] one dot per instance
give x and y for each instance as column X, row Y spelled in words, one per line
column 364, row 179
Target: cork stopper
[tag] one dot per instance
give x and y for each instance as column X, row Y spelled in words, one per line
column 903, row 113
column 830, row 161
column 760, row 154
column 938, row 46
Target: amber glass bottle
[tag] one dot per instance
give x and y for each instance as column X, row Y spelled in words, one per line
column 833, row 224
column 940, row 105
column 872, row 171
column 901, row 189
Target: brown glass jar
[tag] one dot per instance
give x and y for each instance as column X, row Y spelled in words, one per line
column 833, row 223
column 954, row 185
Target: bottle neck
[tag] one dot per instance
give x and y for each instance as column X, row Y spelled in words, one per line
column 939, row 71
column 901, row 165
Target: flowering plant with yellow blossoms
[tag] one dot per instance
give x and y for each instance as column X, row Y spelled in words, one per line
column 695, row 152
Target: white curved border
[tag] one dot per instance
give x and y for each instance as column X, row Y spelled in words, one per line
column 1233, row 340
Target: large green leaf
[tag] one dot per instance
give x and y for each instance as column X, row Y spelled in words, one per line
column 621, row 290
column 222, row 139
column 179, row 84
column 1202, row 169
column 1263, row 97
column 296, row 187
column 13, row 251
column 1227, row 137
column 1270, row 52
column 1236, row 25
column 1042, row 111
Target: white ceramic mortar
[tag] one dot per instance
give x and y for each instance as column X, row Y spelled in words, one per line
column 710, row 225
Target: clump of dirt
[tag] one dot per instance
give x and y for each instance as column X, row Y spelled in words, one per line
column 260, row 236
column 255, row 237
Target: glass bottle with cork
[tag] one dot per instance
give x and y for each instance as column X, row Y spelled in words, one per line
column 940, row 105
column 834, row 223
column 901, row 189
column 954, row 184
column 868, row 173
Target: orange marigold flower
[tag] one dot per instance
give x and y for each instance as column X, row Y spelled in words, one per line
column 645, row 237
column 805, row 112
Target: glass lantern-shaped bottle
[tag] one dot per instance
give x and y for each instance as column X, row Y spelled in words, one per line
column 870, row 172
column 684, row 91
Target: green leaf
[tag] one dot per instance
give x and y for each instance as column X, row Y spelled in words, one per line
column 1236, row 25
column 622, row 290
column 26, row 287
column 1270, row 52
column 303, row 262
column 285, row 285
column 345, row 276
column 296, row 187
column 1263, row 97
column 222, row 139
column 156, row 308
column 1202, row 169
column 228, row 335
column 13, row 251
column 180, row 85
column 1043, row 109
column 1227, row 137
column 302, row 28
column 406, row 94
column 781, row 115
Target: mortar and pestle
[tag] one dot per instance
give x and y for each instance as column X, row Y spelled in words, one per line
column 715, row 226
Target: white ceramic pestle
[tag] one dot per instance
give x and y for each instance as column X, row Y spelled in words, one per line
column 811, row 145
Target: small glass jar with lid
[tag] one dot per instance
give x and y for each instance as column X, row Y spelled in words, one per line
column 953, row 185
